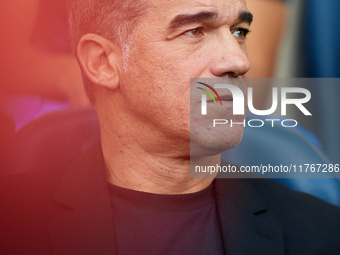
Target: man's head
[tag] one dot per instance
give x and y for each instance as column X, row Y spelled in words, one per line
column 145, row 94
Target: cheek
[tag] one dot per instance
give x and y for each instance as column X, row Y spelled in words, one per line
column 170, row 61
column 156, row 92
column 165, row 77
column 157, row 83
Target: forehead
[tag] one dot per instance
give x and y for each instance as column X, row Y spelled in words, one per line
column 163, row 10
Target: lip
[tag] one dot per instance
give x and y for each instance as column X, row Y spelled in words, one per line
column 220, row 95
column 228, row 98
column 224, row 98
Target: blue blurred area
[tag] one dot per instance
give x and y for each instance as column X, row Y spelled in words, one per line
column 321, row 39
column 285, row 146
column 320, row 45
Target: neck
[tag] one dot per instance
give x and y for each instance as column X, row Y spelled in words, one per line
column 131, row 166
column 142, row 156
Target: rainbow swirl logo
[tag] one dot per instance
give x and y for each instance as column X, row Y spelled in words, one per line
column 212, row 89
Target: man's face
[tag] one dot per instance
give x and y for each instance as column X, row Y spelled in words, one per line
column 177, row 40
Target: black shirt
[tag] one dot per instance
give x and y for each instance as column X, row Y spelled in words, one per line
column 165, row 224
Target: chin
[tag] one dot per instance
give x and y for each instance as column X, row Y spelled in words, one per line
column 213, row 142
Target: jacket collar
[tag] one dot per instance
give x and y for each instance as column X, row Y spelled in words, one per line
column 81, row 217
column 82, row 209
column 244, row 231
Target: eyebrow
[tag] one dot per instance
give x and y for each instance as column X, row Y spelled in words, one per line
column 185, row 19
column 245, row 17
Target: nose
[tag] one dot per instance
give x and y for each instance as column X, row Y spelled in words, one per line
column 230, row 58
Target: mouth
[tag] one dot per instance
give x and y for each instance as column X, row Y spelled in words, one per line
column 224, row 98
column 228, row 98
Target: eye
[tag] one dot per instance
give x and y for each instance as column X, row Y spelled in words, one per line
column 241, row 33
column 198, row 31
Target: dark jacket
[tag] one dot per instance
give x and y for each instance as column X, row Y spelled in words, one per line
column 62, row 206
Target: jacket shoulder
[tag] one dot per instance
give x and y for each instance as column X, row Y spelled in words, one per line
column 303, row 218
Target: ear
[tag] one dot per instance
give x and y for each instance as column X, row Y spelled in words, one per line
column 100, row 60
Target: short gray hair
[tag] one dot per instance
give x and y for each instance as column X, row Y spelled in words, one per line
column 112, row 19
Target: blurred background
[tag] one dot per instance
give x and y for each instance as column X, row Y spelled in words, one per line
column 39, row 73
column 291, row 38
column 311, row 49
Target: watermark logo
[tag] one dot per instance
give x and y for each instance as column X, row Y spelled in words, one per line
column 288, row 96
column 204, row 96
